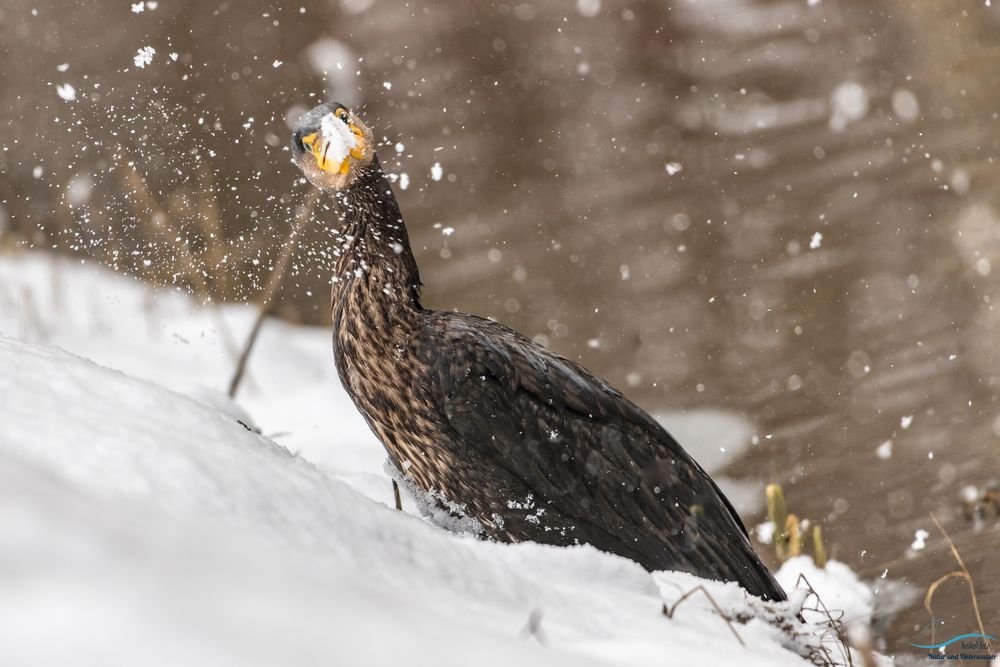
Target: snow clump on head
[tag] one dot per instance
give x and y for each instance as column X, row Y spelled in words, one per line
column 339, row 137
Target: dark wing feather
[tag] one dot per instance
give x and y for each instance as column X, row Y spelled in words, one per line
column 625, row 483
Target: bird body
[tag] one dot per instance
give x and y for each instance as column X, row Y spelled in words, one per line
column 530, row 445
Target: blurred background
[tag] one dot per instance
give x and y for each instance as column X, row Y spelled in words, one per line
column 787, row 208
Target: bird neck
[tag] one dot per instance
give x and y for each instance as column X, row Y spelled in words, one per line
column 375, row 257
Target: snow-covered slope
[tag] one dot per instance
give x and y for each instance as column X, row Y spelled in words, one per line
column 144, row 525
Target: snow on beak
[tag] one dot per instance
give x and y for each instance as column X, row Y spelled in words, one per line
column 337, row 142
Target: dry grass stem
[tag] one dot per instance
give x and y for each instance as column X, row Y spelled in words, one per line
column 669, row 611
column 963, row 573
column 819, row 548
column 836, row 625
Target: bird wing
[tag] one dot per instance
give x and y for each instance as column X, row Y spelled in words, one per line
column 590, row 453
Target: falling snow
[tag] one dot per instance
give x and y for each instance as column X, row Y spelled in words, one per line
column 144, row 56
column 333, row 60
column 588, row 8
column 884, row 451
column 849, row 104
column 905, row 105
column 66, row 91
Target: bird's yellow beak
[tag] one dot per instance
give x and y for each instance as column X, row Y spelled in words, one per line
column 319, row 146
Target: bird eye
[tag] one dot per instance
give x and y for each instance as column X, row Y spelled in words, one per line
column 343, row 114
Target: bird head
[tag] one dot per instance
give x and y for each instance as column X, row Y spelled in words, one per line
column 332, row 146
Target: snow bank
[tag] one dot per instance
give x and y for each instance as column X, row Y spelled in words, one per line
column 837, row 585
column 135, row 518
column 141, row 524
column 291, row 388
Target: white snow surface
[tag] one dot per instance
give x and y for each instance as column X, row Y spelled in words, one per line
column 141, row 523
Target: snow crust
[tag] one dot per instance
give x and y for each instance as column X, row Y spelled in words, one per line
column 141, row 522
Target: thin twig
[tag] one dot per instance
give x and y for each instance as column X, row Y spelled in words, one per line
column 669, row 611
column 160, row 221
column 836, row 625
column 273, row 283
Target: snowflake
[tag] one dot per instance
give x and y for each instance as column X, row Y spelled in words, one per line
column 144, row 56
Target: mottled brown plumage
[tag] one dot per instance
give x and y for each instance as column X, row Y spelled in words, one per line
column 529, row 444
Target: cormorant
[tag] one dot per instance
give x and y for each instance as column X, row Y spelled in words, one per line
column 530, row 444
